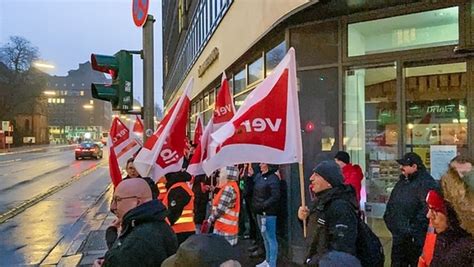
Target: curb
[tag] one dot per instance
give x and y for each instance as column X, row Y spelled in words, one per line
column 61, row 148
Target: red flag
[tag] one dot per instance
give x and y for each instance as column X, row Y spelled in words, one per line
column 163, row 152
column 198, row 130
column 267, row 126
column 122, row 145
column 224, row 110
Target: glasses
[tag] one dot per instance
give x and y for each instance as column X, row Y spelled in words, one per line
column 117, row 199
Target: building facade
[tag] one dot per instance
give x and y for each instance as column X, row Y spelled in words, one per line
column 376, row 79
column 73, row 113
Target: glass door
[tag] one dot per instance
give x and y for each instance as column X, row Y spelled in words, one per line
column 371, row 131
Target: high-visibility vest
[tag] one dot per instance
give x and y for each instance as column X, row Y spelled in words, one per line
column 428, row 248
column 185, row 222
column 161, row 184
column 229, row 221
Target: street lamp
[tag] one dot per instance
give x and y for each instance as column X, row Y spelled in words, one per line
column 44, row 65
column 49, row 92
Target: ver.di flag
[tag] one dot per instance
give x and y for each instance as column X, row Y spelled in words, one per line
column 123, row 145
column 163, row 152
column 266, row 128
column 198, row 130
column 224, row 110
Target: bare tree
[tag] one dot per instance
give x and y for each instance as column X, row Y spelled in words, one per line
column 20, row 85
column 18, row 54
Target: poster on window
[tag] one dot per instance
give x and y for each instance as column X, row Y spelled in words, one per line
column 440, row 157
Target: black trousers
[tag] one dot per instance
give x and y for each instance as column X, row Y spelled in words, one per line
column 405, row 252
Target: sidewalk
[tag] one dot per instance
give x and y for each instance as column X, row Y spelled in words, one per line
column 87, row 243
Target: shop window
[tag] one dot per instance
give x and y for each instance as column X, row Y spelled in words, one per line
column 256, row 70
column 206, row 100
column 211, row 97
column 371, row 131
column 273, row 57
column 420, row 30
column 315, row 44
column 239, row 82
column 436, row 98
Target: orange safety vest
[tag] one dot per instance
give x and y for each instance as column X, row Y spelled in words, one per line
column 185, row 222
column 428, row 248
column 229, row 221
column 161, row 188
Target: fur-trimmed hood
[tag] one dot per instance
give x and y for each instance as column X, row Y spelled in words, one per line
column 460, row 194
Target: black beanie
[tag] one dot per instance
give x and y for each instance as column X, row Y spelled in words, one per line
column 343, row 156
column 330, row 171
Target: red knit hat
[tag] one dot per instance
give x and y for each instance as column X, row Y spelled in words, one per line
column 436, row 202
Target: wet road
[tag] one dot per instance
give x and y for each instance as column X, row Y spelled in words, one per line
column 27, row 238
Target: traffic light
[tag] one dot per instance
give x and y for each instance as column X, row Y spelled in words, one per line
column 120, row 92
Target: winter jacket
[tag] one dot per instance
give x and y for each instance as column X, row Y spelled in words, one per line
column 146, row 238
column 266, row 193
column 178, row 198
column 453, row 248
column 353, row 176
column 332, row 224
column 405, row 215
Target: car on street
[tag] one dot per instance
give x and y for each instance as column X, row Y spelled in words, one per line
column 88, row 150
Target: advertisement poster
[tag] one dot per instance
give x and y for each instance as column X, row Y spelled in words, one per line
column 440, row 157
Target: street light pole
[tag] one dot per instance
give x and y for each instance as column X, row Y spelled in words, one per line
column 148, row 81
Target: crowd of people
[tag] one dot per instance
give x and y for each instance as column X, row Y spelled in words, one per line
column 181, row 220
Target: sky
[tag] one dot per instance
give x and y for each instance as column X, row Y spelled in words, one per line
column 66, row 32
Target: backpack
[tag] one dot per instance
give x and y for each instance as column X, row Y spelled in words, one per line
column 369, row 248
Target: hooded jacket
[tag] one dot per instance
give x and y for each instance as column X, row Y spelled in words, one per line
column 332, row 224
column 353, row 175
column 266, row 192
column 146, row 239
column 460, row 194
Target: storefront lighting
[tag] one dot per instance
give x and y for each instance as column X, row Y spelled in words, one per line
column 49, row 92
column 88, row 106
column 410, row 126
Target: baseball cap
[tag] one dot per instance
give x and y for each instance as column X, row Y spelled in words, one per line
column 206, row 250
column 409, row 159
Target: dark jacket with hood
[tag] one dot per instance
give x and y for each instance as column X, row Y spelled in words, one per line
column 405, row 215
column 201, row 198
column 178, row 198
column 146, row 238
column 332, row 224
column 266, row 192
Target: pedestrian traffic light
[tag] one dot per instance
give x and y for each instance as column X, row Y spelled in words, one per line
column 120, row 92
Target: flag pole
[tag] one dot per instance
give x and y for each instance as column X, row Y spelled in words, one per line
column 303, row 197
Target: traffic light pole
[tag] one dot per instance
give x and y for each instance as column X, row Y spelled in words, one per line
column 148, row 81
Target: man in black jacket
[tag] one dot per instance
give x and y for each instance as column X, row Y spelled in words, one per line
column 145, row 238
column 405, row 215
column 332, row 225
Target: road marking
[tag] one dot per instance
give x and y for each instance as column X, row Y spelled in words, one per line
column 34, row 200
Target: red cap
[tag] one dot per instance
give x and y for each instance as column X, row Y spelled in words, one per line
column 436, row 202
